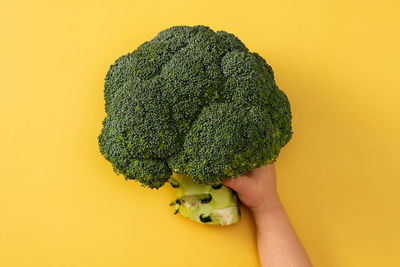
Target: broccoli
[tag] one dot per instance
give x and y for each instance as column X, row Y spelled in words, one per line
column 192, row 107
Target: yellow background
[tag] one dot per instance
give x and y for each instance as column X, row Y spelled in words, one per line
column 339, row 179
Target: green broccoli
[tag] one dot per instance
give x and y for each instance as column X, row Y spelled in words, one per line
column 192, row 107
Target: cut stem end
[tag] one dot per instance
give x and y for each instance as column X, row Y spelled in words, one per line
column 214, row 205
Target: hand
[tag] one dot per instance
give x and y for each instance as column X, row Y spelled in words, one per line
column 256, row 189
column 277, row 242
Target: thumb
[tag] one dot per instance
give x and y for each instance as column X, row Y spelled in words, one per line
column 235, row 184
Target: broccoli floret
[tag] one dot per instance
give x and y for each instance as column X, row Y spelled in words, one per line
column 197, row 103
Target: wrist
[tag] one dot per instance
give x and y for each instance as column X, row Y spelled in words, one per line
column 268, row 205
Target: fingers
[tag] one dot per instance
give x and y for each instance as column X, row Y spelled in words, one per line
column 269, row 168
column 236, row 184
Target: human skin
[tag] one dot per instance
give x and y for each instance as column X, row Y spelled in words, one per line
column 277, row 242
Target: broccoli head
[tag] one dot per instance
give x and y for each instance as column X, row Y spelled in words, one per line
column 193, row 102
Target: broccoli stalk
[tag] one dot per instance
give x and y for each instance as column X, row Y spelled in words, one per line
column 215, row 205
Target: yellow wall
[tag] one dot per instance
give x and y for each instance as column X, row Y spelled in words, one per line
column 339, row 178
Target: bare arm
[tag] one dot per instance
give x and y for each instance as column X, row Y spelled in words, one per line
column 278, row 244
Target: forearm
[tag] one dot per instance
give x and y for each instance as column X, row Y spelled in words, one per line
column 278, row 244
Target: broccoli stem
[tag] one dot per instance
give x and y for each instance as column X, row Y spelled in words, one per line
column 215, row 205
